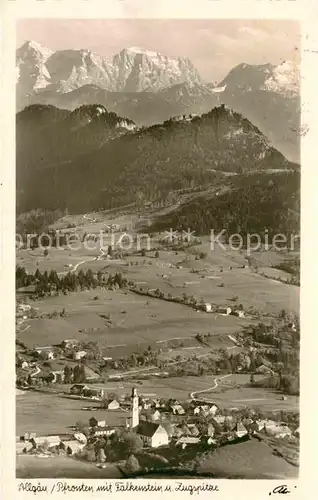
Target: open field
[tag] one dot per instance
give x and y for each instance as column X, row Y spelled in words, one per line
column 249, row 460
column 28, row 466
column 50, row 414
column 216, row 278
column 133, row 319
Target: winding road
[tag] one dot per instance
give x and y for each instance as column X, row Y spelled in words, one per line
column 216, row 380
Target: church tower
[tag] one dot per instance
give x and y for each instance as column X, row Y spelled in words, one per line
column 135, row 408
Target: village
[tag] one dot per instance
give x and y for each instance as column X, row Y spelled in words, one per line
column 163, row 426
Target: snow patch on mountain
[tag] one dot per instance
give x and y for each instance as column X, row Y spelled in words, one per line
column 285, row 78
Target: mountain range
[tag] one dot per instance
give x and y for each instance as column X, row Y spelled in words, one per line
column 90, row 158
column 149, row 88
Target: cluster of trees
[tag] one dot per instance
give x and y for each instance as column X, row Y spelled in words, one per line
column 286, row 383
column 49, row 282
column 121, row 445
column 74, row 375
column 251, row 204
column 277, row 334
column 37, row 221
column 147, row 358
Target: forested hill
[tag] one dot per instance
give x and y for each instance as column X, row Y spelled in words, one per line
column 252, row 203
column 85, row 162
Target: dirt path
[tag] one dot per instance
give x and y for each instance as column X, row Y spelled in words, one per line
column 194, row 393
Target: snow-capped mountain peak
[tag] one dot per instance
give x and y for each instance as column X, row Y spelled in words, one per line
column 132, row 70
column 31, row 48
column 285, row 78
column 139, row 50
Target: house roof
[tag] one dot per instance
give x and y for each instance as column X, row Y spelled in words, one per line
column 240, row 427
column 188, row 440
column 148, row 429
column 79, row 386
column 27, row 289
column 73, row 444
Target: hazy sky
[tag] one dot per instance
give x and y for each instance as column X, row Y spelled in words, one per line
column 214, row 46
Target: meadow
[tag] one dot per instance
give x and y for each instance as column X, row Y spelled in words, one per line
column 133, row 319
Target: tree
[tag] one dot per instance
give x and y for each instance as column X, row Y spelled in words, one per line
column 80, row 426
column 67, row 375
column 132, row 443
column 132, row 464
column 46, row 252
column 76, row 374
column 157, row 254
column 81, row 373
column 252, row 379
column 101, row 456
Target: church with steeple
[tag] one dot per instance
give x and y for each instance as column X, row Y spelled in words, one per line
column 152, row 434
column 134, row 409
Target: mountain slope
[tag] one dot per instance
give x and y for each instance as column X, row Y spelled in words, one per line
column 143, row 165
column 269, row 96
column 252, row 203
column 144, row 108
column 48, row 136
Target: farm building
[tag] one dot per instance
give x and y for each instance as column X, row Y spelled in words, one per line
column 150, row 415
column 278, row 431
column 72, row 446
column 78, row 355
column 185, row 441
column 78, row 389
column 27, row 291
column 263, row 369
column 23, row 446
column 49, row 441
column 48, row 351
column 80, row 437
column 153, row 435
column 193, row 430
column 177, row 409
column 69, row 343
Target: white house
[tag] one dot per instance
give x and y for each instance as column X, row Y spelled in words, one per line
column 104, row 431
column 153, row 415
column 113, row 405
column 177, row 409
column 153, row 435
column 240, row 430
column 72, row 446
column 80, row 437
column 47, row 350
column 79, row 355
column 22, row 446
column 278, row 431
column 50, row 441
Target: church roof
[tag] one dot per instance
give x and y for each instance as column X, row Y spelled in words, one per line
column 147, row 429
